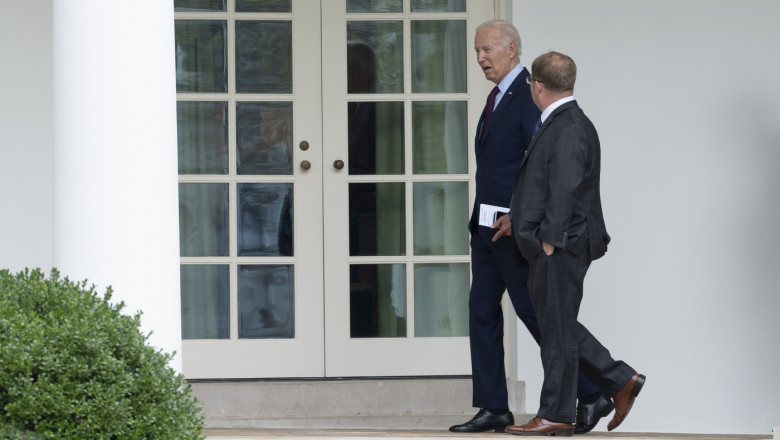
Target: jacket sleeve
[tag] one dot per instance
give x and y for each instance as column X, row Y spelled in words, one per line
column 567, row 163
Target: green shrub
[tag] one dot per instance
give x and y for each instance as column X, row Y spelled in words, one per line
column 72, row 366
column 10, row 433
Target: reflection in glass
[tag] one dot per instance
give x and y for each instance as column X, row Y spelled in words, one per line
column 201, row 56
column 438, row 5
column 439, row 137
column 439, row 56
column 265, row 219
column 376, row 138
column 205, row 301
column 377, row 219
column 440, row 216
column 355, row 6
column 266, row 301
column 263, row 56
column 377, row 300
column 198, row 5
column 361, row 68
column 264, row 138
column 202, row 137
column 263, row 6
column 377, row 48
column 441, row 299
column 203, row 219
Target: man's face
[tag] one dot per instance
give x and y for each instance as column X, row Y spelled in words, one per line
column 495, row 59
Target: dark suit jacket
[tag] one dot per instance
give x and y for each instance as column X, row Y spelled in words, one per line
column 501, row 148
column 556, row 195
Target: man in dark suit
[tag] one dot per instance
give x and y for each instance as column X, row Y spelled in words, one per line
column 504, row 131
column 558, row 225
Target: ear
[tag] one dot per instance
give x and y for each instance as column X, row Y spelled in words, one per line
column 536, row 88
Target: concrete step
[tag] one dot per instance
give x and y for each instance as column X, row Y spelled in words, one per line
column 355, row 409
column 376, row 403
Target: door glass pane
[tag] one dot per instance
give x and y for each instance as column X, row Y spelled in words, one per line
column 264, row 138
column 439, row 56
column 354, row 6
column 198, row 5
column 265, row 219
column 377, row 300
column 266, row 301
column 264, row 56
column 375, row 57
column 263, row 5
column 205, row 301
column 201, row 54
column 377, row 219
column 440, row 137
column 376, row 138
column 440, row 218
column 202, row 136
column 441, row 299
column 203, row 219
column 438, row 5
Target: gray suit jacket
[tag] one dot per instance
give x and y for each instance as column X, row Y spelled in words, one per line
column 556, row 195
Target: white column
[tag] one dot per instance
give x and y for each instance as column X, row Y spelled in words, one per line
column 115, row 177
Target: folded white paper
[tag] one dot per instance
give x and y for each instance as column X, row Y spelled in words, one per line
column 489, row 213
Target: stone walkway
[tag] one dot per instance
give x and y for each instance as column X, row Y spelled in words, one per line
column 354, row 434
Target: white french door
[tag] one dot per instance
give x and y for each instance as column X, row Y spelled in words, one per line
column 250, row 188
column 325, row 185
column 398, row 87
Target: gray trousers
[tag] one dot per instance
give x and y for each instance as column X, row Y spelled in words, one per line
column 555, row 286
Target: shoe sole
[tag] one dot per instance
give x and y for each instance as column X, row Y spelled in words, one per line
column 556, row 433
column 640, row 382
column 499, row 430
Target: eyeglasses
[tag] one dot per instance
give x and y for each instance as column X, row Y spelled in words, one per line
column 529, row 80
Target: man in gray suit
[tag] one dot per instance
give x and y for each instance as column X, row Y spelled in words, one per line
column 558, row 226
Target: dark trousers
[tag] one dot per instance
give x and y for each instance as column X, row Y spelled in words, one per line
column 497, row 267
column 568, row 348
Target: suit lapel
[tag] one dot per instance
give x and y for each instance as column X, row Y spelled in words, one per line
column 547, row 122
column 503, row 103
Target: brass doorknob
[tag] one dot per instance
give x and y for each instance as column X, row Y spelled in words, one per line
column 305, row 164
column 304, row 145
column 338, row 164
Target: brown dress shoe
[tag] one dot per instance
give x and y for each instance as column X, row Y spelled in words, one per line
column 540, row 426
column 624, row 400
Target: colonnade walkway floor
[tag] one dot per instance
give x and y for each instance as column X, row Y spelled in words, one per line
column 368, row 434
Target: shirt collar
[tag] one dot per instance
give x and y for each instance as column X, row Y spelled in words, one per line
column 510, row 77
column 551, row 108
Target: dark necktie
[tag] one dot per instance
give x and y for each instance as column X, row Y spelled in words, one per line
column 491, row 102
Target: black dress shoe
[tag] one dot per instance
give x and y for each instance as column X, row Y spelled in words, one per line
column 485, row 421
column 589, row 414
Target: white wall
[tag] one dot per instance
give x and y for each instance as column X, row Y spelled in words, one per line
column 26, row 135
column 686, row 97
